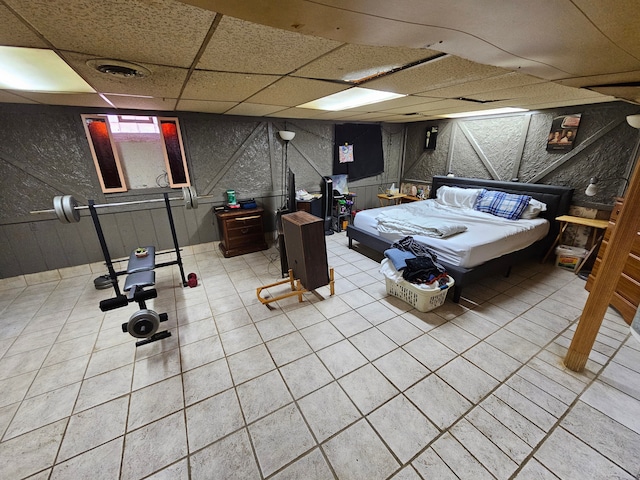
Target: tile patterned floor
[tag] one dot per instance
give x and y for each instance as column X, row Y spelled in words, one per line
column 358, row 386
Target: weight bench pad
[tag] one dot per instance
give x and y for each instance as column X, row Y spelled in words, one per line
column 141, row 264
column 140, row 279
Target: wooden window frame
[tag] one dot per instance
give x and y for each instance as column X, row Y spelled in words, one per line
column 180, row 168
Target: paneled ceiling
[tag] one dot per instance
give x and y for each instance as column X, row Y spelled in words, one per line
column 266, row 57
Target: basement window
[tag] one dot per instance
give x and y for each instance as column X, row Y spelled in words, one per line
column 132, row 152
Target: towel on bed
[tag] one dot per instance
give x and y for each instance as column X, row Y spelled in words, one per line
column 397, row 220
column 398, row 257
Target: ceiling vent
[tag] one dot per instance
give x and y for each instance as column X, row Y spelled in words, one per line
column 118, row 68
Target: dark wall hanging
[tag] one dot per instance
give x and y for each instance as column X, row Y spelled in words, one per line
column 365, row 142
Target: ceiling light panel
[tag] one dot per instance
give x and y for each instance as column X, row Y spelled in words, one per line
column 354, row 97
column 38, row 70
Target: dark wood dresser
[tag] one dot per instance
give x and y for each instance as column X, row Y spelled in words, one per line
column 241, row 231
column 627, row 294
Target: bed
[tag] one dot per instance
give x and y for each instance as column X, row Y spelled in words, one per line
column 476, row 253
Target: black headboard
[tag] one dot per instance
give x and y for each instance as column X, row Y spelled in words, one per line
column 556, row 197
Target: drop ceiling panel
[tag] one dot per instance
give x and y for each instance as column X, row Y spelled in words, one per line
column 352, row 62
column 549, row 90
column 160, row 31
column 473, row 88
column 296, row 113
column 291, row 92
column 625, row 77
column 342, row 115
column 549, row 38
column 339, row 23
column 408, row 101
column 569, row 103
column 253, row 109
column 239, row 46
column 204, row 106
column 13, row 97
column 437, row 106
column 163, row 81
column 447, row 106
column 619, row 23
column 141, row 103
column 222, row 86
column 14, row 33
column 442, row 72
column 67, row 99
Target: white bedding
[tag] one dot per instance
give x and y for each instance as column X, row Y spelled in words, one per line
column 486, row 237
column 401, row 220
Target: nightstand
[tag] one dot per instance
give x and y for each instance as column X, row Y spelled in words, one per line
column 241, row 231
column 387, row 199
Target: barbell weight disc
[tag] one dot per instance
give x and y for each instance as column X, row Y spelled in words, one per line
column 194, row 197
column 69, row 205
column 186, row 195
column 57, row 207
column 143, row 323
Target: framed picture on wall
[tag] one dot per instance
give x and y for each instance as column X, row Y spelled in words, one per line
column 563, row 133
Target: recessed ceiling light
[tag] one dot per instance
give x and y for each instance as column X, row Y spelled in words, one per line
column 353, row 97
column 118, row 68
column 492, row 111
column 38, row 70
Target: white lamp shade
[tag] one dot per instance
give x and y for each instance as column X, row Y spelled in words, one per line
column 592, row 189
column 286, row 135
column 634, row 120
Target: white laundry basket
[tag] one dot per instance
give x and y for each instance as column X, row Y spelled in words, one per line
column 419, row 298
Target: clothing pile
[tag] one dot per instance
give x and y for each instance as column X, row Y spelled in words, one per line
column 417, row 263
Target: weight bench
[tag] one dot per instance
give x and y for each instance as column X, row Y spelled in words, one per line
column 144, row 323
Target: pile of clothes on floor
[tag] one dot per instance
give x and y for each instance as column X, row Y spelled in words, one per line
column 410, row 260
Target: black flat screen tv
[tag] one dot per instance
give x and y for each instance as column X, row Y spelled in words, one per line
column 291, row 191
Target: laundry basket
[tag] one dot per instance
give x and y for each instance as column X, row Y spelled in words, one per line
column 419, row 298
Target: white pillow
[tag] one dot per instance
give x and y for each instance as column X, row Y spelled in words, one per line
column 457, row 197
column 533, row 209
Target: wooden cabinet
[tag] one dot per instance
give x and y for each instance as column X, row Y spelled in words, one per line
column 627, row 294
column 306, row 249
column 241, row 231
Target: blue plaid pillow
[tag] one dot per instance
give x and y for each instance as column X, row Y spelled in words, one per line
column 501, row 204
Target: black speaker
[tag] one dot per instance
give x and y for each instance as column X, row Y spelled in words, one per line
column 327, row 204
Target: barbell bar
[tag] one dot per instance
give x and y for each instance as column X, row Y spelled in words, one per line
column 67, row 209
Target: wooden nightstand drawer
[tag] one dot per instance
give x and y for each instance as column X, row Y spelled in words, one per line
column 241, row 231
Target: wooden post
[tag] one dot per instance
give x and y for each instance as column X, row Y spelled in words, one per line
column 615, row 256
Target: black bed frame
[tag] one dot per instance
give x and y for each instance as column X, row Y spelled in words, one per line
column 557, row 199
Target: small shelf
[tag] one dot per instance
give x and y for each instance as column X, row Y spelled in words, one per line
column 341, row 211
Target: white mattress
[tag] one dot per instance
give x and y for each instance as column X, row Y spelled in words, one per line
column 486, row 237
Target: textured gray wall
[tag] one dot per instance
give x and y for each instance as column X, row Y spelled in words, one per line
column 514, row 146
column 44, row 152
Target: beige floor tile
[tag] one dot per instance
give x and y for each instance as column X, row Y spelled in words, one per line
column 475, row 387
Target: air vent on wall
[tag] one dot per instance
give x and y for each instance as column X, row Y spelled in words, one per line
column 118, row 68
